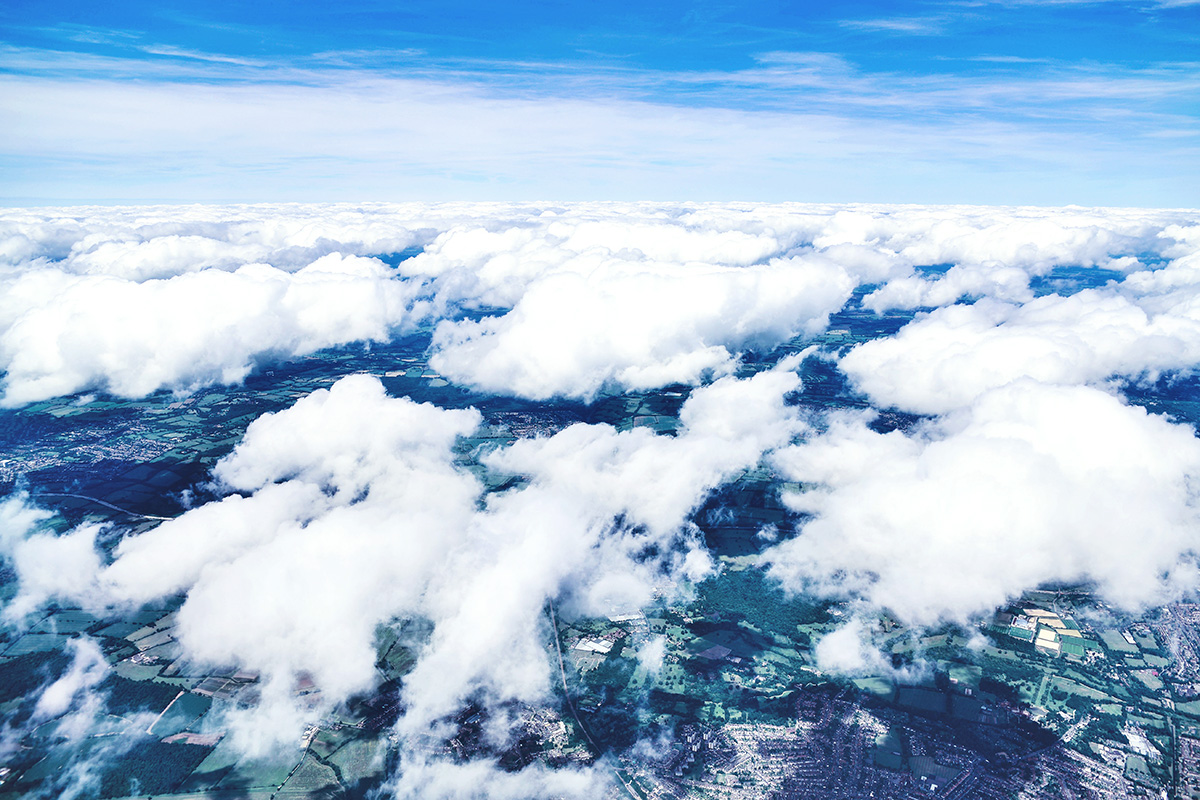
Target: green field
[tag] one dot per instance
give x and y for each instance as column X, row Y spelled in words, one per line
column 310, row 776
column 1114, row 641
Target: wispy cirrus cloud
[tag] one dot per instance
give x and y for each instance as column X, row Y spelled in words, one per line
column 913, row 26
column 195, row 124
column 179, row 52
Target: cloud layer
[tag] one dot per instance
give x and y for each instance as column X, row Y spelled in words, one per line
column 573, row 335
column 131, row 339
column 1144, row 325
column 541, row 300
column 349, row 510
column 1030, row 484
column 390, row 119
column 353, row 510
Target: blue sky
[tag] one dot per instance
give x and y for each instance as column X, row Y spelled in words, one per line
column 1046, row 103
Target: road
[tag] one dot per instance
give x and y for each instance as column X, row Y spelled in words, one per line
column 100, row 502
column 562, row 672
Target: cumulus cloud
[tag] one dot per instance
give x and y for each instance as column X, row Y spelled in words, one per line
column 1144, row 324
column 352, row 502
column 637, row 327
column 131, row 304
column 1030, row 484
column 63, row 333
column 84, row 739
column 591, row 310
column 650, row 655
column 49, row 565
column 637, row 297
column 601, row 522
column 18, row 517
column 580, row 297
column 848, row 650
column 999, row 281
column 947, row 358
column 489, row 262
column 134, row 300
column 1032, row 239
column 351, row 509
column 429, row 779
column 138, row 243
column 989, row 252
column 88, row 668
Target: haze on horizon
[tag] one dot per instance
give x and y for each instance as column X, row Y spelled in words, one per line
column 1087, row 103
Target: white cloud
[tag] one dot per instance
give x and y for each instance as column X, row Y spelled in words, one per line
column 848, row 651
column 50, row 566
column 352, row 512
column 65, row 333
column 141, row 242
column 436, row 779
column 1143, row 324
column 624, row 295
column 1029, row 485
column 1033, row 239
column 811, row 124
column 944, row 360
column 1001, row 282
column 174, row 556
column 88, row 668
column 601, row 523
column 352, row 509
column 650, row 655
column 994, row 252
column 353, row 502
column 638, row 326
column 18, row 518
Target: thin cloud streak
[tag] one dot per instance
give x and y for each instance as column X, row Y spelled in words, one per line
column 196, row 124
column 913, row 26
column 406, row 129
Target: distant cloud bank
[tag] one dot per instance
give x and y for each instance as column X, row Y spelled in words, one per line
column 588, row 297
